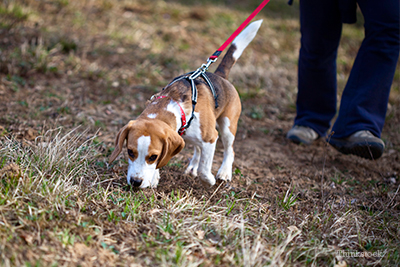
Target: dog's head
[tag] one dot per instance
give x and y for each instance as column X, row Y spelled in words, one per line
column 151, row 144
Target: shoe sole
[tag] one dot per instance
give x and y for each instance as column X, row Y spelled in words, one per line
column 366, row 150
column 297, row 140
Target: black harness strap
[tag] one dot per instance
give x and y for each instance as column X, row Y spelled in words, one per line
column 205, row 77
column 191, row 76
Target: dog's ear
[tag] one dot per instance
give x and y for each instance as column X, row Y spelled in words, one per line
column 119, row 141
column 173, row 144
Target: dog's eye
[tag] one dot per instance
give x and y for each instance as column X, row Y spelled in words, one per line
column 130, row 153
column 152, row 158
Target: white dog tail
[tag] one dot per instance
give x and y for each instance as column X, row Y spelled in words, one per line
column 237, row 47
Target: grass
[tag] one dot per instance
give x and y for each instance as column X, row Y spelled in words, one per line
column 11, row 15
column 57, row 205
column 62, row 204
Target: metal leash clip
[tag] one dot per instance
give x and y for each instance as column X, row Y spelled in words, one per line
column 202, row 69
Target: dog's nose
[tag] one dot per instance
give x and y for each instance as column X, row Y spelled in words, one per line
column 136, row 183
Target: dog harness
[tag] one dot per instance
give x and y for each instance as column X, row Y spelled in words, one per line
column 191, row 76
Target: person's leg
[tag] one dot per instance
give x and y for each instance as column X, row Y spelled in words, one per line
column 365, row 98
column 320, row 26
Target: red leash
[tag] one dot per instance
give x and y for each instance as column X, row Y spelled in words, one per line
column 238, row 30
column 202, row 70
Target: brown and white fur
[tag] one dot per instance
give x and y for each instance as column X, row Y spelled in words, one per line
column 152, row 139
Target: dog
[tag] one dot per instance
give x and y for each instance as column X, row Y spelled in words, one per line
column 153, row 139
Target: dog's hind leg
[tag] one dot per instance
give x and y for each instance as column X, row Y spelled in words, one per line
column 225, row 171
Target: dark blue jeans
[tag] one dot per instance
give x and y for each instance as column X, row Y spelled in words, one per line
column 365, row 97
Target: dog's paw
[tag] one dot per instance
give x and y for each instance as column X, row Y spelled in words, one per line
column 191, row 171
column 155, row 180
column 207, row 180
column 224, row 176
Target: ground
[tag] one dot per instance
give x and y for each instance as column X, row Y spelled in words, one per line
column 73, row 72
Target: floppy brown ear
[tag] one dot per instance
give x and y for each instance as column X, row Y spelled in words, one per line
column 119, row 141
column 173, row 144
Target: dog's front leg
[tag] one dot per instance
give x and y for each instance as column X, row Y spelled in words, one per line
column 194, row 162
column 205, row 164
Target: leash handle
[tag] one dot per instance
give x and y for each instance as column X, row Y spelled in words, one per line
column 236, row 33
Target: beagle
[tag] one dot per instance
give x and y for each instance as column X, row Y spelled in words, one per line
column 153, row 139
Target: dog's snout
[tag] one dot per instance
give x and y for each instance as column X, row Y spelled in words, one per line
column 136, row 182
